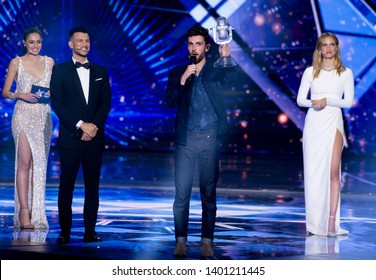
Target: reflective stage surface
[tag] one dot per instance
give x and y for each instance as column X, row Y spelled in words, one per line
column 260, row 212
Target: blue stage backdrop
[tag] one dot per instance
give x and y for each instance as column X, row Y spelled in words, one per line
column 140, row 41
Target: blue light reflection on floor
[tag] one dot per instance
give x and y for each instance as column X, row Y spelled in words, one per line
column 260, row 214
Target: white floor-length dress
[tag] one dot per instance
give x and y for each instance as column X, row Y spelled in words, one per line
column 319, row 132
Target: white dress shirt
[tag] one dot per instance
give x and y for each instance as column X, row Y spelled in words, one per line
column 84, row 75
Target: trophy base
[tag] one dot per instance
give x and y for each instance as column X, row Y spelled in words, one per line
column 224, row 62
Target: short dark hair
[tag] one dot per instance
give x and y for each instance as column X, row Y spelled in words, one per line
column 197, row 30
column 76, row 29
column 29, row 31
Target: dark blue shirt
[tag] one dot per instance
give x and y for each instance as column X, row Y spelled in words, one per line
column 201, row 111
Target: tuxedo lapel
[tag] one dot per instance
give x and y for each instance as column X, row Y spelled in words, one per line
column 91, row 85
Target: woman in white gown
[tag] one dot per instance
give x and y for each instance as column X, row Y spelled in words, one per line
column 331, row 87
column 31, row 129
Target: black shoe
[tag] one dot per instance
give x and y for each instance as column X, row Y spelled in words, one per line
column 92, row 237
column 63, row 239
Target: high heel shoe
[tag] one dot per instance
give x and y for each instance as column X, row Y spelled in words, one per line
column 341, row 232
column 338, row 232
column 24, row 215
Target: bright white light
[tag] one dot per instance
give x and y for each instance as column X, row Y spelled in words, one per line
column 198, row 12
column 230, row 7
column 213, row 3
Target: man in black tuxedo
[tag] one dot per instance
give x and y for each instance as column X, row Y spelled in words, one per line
column 201, row 122
column 81, row 98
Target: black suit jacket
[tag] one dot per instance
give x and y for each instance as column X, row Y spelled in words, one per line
column 178, row 96
column 68, row 102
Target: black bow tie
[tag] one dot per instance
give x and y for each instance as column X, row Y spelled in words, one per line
column 85, row 65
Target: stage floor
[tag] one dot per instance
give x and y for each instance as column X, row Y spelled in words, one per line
column 260, row 212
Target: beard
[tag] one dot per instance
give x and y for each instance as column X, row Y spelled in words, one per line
column 199, row 58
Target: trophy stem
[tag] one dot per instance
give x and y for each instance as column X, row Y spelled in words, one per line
column 224, row 61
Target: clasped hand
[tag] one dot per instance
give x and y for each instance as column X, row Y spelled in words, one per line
column 90, row 130
column 319, row 103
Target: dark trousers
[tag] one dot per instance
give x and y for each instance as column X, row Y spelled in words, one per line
column 70, row 161
column 203, row 149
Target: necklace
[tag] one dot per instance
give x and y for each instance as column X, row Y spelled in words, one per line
column 328, row 69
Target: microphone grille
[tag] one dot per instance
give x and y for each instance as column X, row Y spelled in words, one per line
column 221, row 21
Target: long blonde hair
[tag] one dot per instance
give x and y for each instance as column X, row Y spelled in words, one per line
column 317, row 58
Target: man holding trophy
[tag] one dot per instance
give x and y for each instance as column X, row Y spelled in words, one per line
column 201, row 123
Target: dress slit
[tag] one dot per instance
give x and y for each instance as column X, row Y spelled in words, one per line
column 33, row 120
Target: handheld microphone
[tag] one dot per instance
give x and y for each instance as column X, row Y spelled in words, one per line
column 192, row 60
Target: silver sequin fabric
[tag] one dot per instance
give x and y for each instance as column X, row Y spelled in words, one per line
column 35, row 121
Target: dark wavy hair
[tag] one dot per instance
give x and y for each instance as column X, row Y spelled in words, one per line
column 199, row 30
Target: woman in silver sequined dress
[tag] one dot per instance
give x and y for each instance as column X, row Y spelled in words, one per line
column 31, row 129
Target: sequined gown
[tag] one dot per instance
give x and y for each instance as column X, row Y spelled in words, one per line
column 35, row 121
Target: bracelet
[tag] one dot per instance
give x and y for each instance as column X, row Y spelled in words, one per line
column 12, row 95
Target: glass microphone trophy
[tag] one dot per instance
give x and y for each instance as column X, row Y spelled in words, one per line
column 222, row 34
